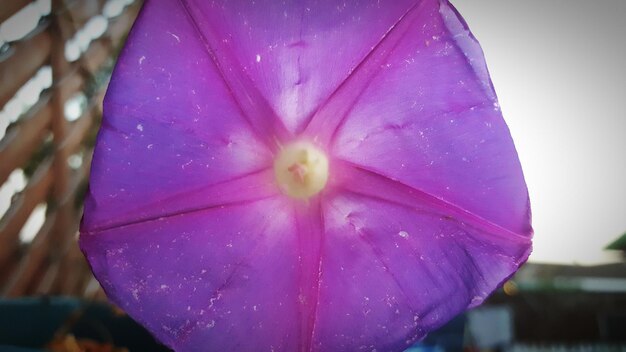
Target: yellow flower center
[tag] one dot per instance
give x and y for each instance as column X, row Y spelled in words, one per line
column 301, row 170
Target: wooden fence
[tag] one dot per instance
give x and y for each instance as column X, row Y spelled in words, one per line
column 54, row 151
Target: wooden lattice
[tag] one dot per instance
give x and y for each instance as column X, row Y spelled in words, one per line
column 42, row 140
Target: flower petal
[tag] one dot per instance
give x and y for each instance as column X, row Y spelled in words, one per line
column 208, row 280
column 295, row 52
column 170, row 127
column 392, row 272
column 429, row 118
column 425, row 212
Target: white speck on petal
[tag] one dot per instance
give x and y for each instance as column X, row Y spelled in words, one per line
column 403, row 234
column 140, row 127
column 258, row 58
column 175, row 36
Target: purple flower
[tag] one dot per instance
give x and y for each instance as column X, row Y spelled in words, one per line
column 302, row 175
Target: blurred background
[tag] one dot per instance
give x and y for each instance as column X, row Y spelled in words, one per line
column 557, row 66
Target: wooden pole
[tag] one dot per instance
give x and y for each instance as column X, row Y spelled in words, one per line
column 61, row 69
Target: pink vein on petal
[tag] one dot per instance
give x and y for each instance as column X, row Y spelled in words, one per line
column 245, row 189
column 310, row 225
column 253, row 106
column 328, row 117
column 375, row 185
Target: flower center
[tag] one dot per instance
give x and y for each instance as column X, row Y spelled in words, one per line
column 301, row 170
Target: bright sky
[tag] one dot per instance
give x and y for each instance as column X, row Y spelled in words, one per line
column 558, row 68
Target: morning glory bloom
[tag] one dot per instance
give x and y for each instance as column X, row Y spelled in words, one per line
column 302, row 175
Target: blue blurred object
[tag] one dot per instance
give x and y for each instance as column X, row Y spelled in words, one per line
column 448, row 338
column 5, row 348
column 28, row 324
column 422, row 348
